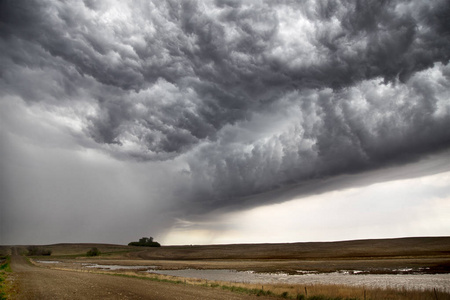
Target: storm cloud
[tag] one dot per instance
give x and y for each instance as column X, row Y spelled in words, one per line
column 238, row 97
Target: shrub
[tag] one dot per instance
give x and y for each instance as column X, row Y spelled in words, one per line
column 93, row 252
column 46, row 252
column 36, row 251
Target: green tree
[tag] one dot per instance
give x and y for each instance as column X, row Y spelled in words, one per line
column 145, row 242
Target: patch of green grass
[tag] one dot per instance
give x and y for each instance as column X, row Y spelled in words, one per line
column 6, row 265
column 5, row 268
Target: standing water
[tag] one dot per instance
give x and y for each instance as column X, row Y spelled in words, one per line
column 407, row 281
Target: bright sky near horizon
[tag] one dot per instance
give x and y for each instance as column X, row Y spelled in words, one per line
column 223, row 121
column 399, row 208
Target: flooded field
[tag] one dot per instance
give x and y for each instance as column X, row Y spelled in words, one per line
column 116, row 267
column 350, row 278
column 407, row 281
column 106, row 267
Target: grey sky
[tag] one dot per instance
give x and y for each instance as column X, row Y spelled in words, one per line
column 119, row 119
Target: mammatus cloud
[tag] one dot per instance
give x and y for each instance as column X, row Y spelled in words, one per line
column 245, row 97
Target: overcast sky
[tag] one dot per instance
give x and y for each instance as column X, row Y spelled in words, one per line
column 223, row 121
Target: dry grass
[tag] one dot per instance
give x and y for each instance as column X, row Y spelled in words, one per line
column 369, row 255
column 360, row 249
column 372, row 256
column 76, row 250
column 294, row 291
column 5, row 250
column 289, row 291
column 339, row 291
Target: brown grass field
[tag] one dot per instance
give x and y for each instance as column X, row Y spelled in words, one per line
column 359, row 249
column 369, row 255
column 381, row 256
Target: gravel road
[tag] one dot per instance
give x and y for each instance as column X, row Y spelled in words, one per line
column 42, row 283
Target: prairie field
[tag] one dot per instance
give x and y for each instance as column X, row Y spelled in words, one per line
column 407, row 256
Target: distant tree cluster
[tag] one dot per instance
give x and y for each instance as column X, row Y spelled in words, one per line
column 93, row 252
column 145, row 242
column 37, row 251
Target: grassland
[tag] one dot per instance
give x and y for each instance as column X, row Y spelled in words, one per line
column 382, row 256
column 372, row 256
column 80, row 249
column 385, row 256
column 358, row 249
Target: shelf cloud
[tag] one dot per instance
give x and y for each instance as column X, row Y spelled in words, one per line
column 230, row 99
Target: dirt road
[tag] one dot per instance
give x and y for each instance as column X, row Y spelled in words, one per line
column 43, row 283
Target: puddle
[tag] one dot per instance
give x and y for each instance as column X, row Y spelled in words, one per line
column 116, row 267
column 48, row 261
column 219, row 275
column 403, row 270
column 301, row 272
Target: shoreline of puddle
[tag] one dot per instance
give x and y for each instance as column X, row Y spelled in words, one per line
column 415, row 281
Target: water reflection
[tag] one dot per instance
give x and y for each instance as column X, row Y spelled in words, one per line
column 116, row 267
column 48, row 261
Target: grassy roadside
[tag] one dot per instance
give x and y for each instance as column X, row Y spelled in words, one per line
column 435, row 255
column 5, row 272
column 80, row 255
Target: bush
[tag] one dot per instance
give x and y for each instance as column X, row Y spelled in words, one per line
column 93, row 252
column 36, row 251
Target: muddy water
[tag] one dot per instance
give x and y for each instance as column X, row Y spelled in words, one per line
column 416, row 282
column 116, row 267
column 48, row 261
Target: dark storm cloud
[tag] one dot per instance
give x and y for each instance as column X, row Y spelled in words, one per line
column 375, row 126
column 249, row 96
